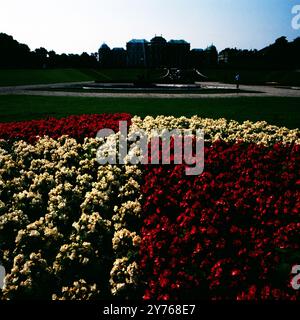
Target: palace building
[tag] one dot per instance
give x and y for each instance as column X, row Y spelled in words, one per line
column 156, row 53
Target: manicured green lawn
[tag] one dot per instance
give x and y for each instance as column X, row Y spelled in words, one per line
column 278, row 111
column 13, row 77
column 39, row 76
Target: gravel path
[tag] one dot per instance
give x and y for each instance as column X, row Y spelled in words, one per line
column 263, row 91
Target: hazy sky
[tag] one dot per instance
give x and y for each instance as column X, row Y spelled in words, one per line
column 74, row 26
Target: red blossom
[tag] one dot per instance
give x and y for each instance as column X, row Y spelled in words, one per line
column 229, row 233
column 75, row 126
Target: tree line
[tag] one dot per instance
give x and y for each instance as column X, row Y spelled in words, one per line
column 17, row 55
column 282, row 54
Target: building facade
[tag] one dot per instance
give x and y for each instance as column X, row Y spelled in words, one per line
column 104, row 56
column 118, row 58
column 157, row 53
column 137, row 53
column 211, row 56
column 178, row 52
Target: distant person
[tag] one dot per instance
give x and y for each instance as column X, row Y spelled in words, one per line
column 2, row 276
column 237, row 81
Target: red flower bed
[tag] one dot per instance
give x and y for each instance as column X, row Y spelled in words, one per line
column 230, row 233
column 75, row 126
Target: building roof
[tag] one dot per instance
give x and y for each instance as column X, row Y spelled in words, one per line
column 211, row 48
column 104, row 46
column 118, row 49
column 138, row 41
column 158, row 40
column 197, row 50
column 178, row 42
